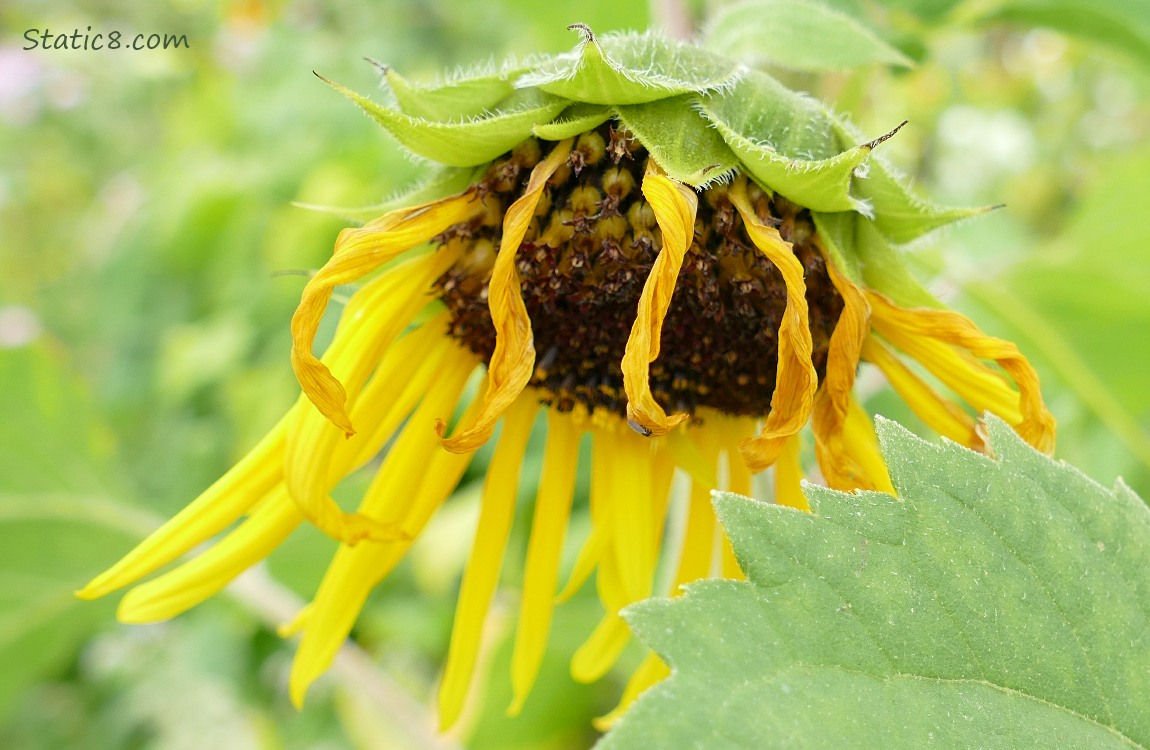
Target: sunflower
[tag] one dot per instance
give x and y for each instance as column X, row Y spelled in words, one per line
column 652, row 246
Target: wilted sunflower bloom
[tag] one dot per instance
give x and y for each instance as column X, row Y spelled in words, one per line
column 655, row 247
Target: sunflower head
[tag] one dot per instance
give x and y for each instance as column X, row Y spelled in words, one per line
column 659, row 248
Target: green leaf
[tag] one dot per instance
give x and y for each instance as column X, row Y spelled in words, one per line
column 995, row 603
column 630, row 69
column 798, row 34
column 57, row 524
column 465, row 143
column 680, row 140
column 1122, row 24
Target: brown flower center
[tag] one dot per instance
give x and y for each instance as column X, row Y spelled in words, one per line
column 583, row 264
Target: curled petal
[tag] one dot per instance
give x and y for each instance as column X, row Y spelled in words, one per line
column 513, row 361
column 834, row 403
column 414, row 480
column 789, row 477
column 795, row 381
column 674, row 205
column 376, row 316
column 357, row 253
column 920, row 331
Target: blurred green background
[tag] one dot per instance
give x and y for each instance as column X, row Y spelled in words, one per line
column 150, row 258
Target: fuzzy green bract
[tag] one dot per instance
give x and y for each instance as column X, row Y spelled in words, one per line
column 701, row 115
column 997, row 602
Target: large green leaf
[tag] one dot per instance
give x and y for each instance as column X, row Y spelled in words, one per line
column 995, row 603
column 798, row 34
column 1122, row 24
column 57, row 523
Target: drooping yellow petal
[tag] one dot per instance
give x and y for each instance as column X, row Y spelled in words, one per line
column 710, row 439
column 633, row 513
column 690, row 458
column 357, row 253
column 607, row 641
column 221, row 505
column 862, row 442
column 973, row 380
column 833, row 402
column 381, row 311
column 486, row 560
column 541, row 569
column 674, row 205
column 789, row 477
column 940, row 414
column 397, row 387
column 650, row 671
column 909, row 328
column 415, row 479
column 697, row 551
column 513, row 361
column 796, row 380
column 603, row 449
column 640, row 475
column 206, row 574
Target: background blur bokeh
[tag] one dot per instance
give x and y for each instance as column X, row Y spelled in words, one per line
column 151, row 256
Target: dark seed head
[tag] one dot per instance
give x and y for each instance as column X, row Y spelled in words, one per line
column 582, row 267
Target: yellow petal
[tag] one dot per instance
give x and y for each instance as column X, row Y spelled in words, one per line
column 481, row 575
column 414, row 480
column 208, row 573
column 710, row 438
column 833, row 402
column 601, row 650
column 358, row 252
column 697, row 552
column 248, row 482
column 795, row 381
column 906, row 327
column 860, row 437
column 541, row 569
column 379, row 313
column 940, row 414
column 789, row 477
column 651, row 671
column 674, row 206
column 633, row 514
column 919, row 333
column 397, row 387
column 513, row 361
column 603, row 450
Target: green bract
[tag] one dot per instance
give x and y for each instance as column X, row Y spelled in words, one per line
column 702, row 116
